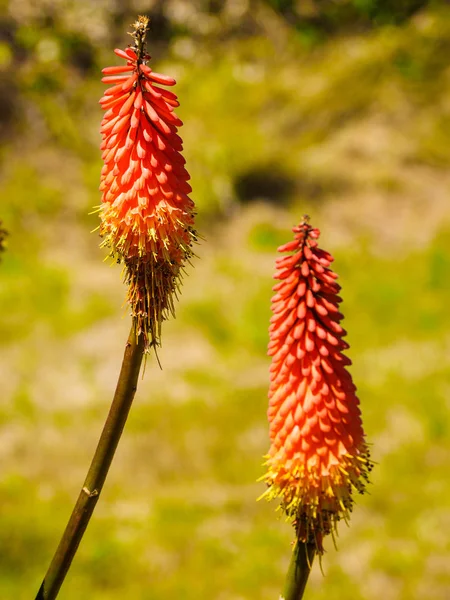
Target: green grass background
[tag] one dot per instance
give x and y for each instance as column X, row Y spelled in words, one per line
column 348, row 123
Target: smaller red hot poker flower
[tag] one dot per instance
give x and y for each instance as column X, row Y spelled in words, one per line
column 146, row 214
column 318, row 456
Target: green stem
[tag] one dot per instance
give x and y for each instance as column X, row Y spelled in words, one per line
column 298, row 572
column 112, row 430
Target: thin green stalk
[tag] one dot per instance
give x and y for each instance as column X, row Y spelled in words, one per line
column 112, row 430
column 298, row 572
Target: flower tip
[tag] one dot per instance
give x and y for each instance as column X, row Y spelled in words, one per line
column 139, row 33
column 142, row 21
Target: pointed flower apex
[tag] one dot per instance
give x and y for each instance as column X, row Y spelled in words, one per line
column 318, row 456
column 147, row 217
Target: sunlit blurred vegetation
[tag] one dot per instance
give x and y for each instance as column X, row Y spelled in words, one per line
column 336, row 108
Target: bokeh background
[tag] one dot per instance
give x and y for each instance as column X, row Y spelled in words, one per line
column 335, row 108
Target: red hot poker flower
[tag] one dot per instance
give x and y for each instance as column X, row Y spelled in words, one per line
column 318, row 456
column 146, row 214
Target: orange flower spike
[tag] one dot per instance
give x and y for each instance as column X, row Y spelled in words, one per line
column 318, row 456
column 147, row 217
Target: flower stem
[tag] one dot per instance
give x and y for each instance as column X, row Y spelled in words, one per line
column 298, row 572
column 112, row 430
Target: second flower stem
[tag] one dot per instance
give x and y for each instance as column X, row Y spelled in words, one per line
column 112, row 430
column 298, row 572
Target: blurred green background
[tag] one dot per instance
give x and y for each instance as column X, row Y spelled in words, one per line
column 336, row 108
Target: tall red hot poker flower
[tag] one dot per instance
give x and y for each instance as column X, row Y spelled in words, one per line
column 318, row 456
column 146, row 214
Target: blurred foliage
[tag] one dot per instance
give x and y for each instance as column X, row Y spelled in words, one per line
column 336, row 108
column 315, row 18
column 251, row 123
column 3, row 234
